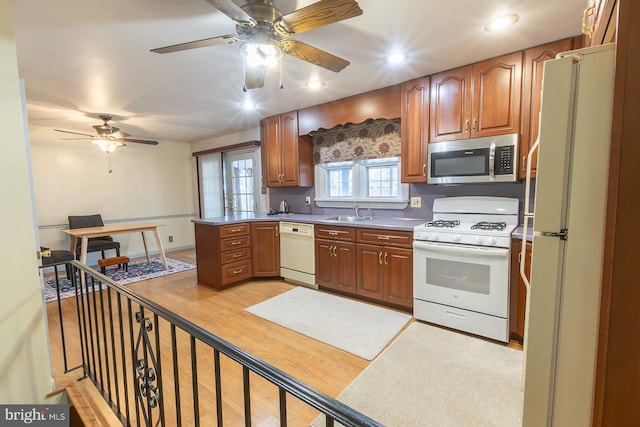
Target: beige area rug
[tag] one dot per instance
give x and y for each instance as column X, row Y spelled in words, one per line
column 355, row 327
column 434, row 377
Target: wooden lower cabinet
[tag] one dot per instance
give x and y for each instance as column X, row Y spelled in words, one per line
column 336, row 265
column 234, row 253
column 265, row 249
column 518, row 291
column 385, row 274
column 335, row 258
column 385, row 271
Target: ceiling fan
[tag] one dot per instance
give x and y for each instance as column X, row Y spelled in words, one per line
column 265, row 34
column 108, row 137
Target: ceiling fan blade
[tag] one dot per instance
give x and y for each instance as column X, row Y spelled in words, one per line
column 119, row 134
column 75, row 133
column 228, row 39
column 254, row 77
column 73, row 139
column 313, row 55
column 139, row 141
column 233, row 11
column 318, row 14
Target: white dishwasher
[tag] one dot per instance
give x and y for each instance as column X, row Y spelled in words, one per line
column 297, row 253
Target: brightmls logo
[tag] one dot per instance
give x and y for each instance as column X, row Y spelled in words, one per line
column 37, row 415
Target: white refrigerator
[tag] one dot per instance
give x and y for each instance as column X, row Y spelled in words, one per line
column 568, row 220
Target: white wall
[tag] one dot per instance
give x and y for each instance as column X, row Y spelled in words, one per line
column 146, row 183
column 25, row 369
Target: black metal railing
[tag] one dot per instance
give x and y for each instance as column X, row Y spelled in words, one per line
column 129, row 348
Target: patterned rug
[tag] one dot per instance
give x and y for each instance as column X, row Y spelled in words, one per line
column 137, row 271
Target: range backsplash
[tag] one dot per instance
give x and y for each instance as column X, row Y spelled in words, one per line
column 295, row 196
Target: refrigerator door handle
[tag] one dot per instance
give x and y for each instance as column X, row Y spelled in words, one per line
column 563, row 234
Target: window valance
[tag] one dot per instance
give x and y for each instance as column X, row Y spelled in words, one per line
column 374, row 138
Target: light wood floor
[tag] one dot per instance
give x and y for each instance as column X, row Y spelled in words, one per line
column 319, row 365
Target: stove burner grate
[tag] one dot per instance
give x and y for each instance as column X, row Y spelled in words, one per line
column 498, row 226
column 441, row 223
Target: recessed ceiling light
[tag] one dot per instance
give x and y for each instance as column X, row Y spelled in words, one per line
column 396, row 58
column 248, row 105
column 501, row 22
column 314, row 84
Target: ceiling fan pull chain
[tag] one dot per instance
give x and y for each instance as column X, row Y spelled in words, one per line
column 280, row 64
column 109, row 162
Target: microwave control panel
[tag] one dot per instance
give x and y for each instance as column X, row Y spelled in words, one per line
column 504, row 160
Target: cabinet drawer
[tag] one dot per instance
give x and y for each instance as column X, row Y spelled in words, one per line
column 233, row 230
column 335, row 233
column 237, row 255
column 235, row 272
column 235, row 243
column 384, row 237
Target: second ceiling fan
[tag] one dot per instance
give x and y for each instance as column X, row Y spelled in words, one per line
column 264, row 34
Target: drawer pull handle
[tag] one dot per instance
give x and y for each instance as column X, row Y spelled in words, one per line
column 383, row 237
column 235, row 230
column 333, row 233
column 236, row 243
column 458, row 315
column 236, row 255
column 237, row 271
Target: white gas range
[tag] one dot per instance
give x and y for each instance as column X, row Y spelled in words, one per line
column 461, row 265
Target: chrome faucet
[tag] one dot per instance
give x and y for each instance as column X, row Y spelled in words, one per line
column 370, row 213
column 356, row 208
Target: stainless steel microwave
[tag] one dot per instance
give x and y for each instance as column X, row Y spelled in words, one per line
column 489, row 159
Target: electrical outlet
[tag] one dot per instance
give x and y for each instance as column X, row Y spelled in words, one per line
column 416, row 202
column 307, row 200
column 170, row 239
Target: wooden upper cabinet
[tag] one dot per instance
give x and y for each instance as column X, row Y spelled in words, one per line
column 600, row 22
column 414, row 114
column 477, row 100
column 497, row 86
column 377, row 104
column 450, row 107
column 532, row 69
column 286, row 158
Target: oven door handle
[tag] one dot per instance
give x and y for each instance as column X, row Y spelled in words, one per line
column 462, row 250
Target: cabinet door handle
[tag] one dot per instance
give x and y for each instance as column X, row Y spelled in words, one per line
column 385, row 258
column 424, row 169
column 466, row 126
column 380, row 258
column 475, row 125
column 524, row 163
column 587, row 29
column 335, row 249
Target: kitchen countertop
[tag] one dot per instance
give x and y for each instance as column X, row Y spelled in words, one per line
column 402, row 224
column 517, row 233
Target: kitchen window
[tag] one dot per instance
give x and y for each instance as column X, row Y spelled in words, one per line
column 371, row 183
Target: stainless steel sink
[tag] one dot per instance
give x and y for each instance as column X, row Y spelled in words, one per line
column 348, row 218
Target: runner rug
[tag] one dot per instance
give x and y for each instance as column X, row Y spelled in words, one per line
column 355, row 327
column 431, row 376
column 137, row 272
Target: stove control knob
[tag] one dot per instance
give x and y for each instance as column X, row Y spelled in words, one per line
column 492, row 241
column 456, row 237
column 436, row 236
column 479, row 239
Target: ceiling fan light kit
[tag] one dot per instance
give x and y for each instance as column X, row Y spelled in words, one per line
column 265, row 34
column 107, row 145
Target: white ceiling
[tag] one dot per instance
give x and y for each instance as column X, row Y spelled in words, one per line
column 82, row 58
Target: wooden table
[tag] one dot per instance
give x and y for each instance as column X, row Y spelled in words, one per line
column 107, row 230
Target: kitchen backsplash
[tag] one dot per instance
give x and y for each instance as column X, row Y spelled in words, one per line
column 295, row 196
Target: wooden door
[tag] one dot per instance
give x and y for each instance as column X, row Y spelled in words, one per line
column 265, row 249
column 289, row 148
column 370, row 271
column 497, row 87
column 271, row 151
column 398, row 264
column 345, row 267
column 450, row 107
column 414, row 113
column 325, row 264
column 532, row 68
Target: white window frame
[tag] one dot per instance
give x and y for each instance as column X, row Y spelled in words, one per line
column 359, row 189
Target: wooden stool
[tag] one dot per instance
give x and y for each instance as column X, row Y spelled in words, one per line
column 104, row 263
